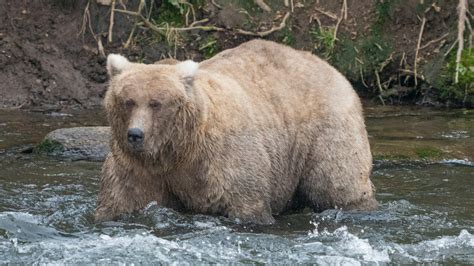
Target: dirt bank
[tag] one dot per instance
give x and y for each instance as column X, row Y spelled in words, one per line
column 50, row 56
column 44, row 63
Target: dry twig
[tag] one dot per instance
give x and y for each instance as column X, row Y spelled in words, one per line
column 462, row 7
column 339, row 20
column 386, row 61
column 362, row 77
column 403, row 60
column 111, row 22
column 86, row 22
column 190, row 9
column 136, row 24
column 344, row 7
column 263, row 5
column 170, row 32
column 468, row 23
column 100, row 47
column 379, row 86
column 268, row 32
column 450, row 48
column 434, row 41
column 130, row 37
column 331, row 15
column 199, row 22
column 216, row 4
column 161, row 30
column 85, row 18
column 423, row 22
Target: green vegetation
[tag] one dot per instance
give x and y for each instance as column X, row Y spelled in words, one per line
column 209, row 47
column 172, row 14
column 406, row 153
column 445, row 85
column 428, row 152
column 324, row 40
column 391, row 157
column 361, row 60
column 384, row 10
column 49, row 146
column 288, row 37
column 374, row 51
column 169, row 15
column 179, row 5
column 346, row 58
column 365, row 54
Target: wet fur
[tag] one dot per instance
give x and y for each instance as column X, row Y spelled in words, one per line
column 256, row 131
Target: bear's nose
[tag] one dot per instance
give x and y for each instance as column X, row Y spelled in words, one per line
column 135, row 136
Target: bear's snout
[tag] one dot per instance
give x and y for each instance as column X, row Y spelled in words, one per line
column 135, row 136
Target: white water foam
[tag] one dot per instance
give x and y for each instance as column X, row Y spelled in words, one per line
column 458, row 161
column 341, row 244
column 219, row 244
column 441, row 249
column 347, row 245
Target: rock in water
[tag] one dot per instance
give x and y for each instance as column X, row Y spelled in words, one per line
column 77, row 143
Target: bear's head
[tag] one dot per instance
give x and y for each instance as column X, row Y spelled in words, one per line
column 152, row 108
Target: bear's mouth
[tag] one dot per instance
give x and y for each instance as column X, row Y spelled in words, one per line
column 136, row 148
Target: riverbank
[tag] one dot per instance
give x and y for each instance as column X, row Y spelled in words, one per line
column 393, row 52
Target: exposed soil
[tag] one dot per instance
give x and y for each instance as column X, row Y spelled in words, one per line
column 44, row 64
column 50, row 61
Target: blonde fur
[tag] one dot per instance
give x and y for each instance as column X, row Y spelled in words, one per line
column 256, row 131
column 116, row 64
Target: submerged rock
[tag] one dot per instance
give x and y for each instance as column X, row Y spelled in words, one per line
column 77, row 143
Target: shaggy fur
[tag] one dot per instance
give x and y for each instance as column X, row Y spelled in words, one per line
column 253, row 132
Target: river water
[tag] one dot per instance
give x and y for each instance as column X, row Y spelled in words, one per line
column 426, row 213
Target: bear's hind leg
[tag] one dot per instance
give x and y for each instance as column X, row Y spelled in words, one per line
column 257, row 212
column 322, row 190
column 337, row 168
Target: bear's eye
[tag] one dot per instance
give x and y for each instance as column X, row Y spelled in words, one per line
column 129, row 103
column 155, row 104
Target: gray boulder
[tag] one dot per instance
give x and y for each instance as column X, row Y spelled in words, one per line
column 77, row 143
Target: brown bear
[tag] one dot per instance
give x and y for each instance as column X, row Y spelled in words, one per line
column 250, row 133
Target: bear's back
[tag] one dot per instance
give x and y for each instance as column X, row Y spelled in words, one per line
column 274, row 80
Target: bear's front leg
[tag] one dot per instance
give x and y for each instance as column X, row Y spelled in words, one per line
column 245, row 176
column 125, row 188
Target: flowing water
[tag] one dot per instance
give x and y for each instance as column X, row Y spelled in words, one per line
column 426, row 212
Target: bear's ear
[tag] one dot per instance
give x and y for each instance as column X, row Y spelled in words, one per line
column 116, row 64
column 187, row 69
